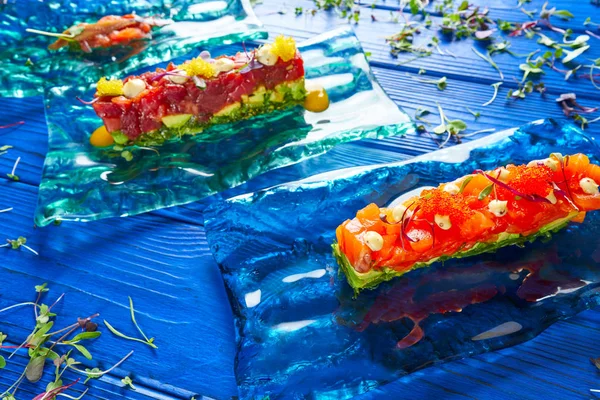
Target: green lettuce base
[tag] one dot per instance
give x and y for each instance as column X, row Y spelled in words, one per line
column 283, row 96
column 369, row 280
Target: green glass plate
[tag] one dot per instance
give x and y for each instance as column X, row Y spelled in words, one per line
column 83, row 183
column 29, row 67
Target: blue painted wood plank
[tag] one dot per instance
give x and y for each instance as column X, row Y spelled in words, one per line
column 163, row 265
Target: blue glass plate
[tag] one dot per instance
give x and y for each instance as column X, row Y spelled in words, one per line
column 300, row 332
column 83, row 183
column 195, row 23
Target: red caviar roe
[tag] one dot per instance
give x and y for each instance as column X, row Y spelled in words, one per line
column 531, row 180
column 435, row 201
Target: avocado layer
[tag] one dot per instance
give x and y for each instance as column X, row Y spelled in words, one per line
column 261, row 101
column 369, row 280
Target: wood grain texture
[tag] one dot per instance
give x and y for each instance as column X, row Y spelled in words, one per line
column 162, row 260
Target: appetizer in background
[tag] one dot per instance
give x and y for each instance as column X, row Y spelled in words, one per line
column 111, row 30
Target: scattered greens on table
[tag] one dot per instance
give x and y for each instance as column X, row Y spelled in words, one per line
column 462, row 20
column 58, row 349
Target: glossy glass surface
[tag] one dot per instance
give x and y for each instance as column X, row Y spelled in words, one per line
column 84, row 183
column 194, row 23
column 300, row 332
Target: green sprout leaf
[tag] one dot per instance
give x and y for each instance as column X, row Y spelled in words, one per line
column 93, row 373
column 127, row 381
column 486, row 191
column 563, row 14
column 496, row 87
column 528, row 69
column 147, row 341
column 545, row 40
column 35, row 369
column 42, row 288
column 83, row 336
column 571, row 55
column 489, row 60
column 440, row 83
column 82, row 350
column 476, row 115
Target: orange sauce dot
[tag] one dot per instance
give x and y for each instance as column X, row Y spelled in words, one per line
column 316, row 100
column 101, row 138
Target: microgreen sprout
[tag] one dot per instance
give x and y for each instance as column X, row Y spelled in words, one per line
column 17, row 243
column 568, row 103
column 489, row 60
column 40, row 346
column 420, row 113
column 496, row 87
column 95, row 373
column 571, row 107
column 11, row 125
column 4, row 149
column 476, row 115
column 402, row 42
column 592, row 34
column 501, row 47
column 128, row 382
column 449, row 127
column 67, row 36
column 149, row 342
column 570, row 55
column 485, row 192
column 440, row 83
column 12, row 174
column 526, row 88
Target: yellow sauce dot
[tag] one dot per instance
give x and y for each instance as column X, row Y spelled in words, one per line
column 316, row 100
column 101, row 138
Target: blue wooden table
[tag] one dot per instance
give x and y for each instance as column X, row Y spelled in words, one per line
column 161, row 259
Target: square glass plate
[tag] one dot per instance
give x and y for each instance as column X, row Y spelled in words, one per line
column 302, row 334
column 83, row 183
column 195, row 23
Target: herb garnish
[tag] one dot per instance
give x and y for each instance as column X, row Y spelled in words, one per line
column 476, row 115
column 41, row 346
column 496, row 87
column 128, row 382
column 450, row 127
column 489, row 60
column 11, row 125
column 12, row 175
column 19, row 242
column 149, row 342
column 440, row 83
